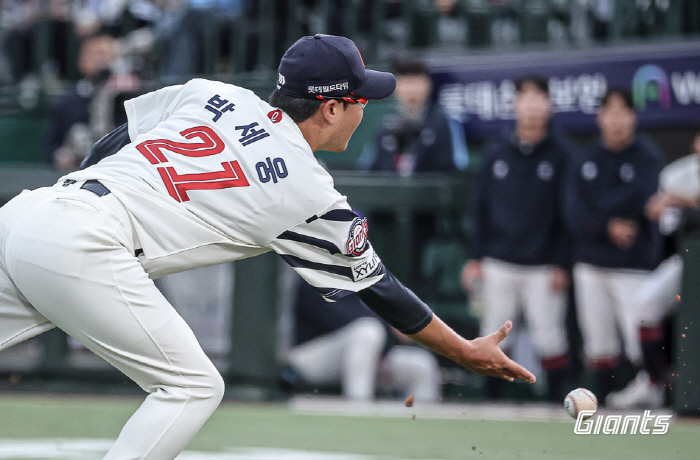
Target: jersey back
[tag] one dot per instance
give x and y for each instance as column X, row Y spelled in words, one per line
column 212, row 164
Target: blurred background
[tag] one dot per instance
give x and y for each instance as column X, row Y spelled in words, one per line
column 67, row 66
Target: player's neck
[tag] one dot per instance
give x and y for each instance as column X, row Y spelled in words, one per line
column 617, row 143
column 312, row 133
column 531, row 134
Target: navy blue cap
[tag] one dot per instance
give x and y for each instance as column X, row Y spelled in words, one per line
column 326, row 66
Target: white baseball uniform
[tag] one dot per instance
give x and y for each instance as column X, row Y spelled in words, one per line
column 613, row 292
column 213, row 174
column 508, row 286
column 352, row 355
column 682, row 177
column 657, row 297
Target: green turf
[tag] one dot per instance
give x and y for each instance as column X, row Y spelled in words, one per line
column 239, row 425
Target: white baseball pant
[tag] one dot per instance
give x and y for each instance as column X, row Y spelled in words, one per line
column 412, row 370
column 352, row 356
column 507, row 286
column 67, row 260
column 657, row 297
column 606, row 300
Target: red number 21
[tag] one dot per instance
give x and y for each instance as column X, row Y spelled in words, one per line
column 179, row 184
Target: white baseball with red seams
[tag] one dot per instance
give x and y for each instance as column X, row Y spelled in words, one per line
column 579, row 400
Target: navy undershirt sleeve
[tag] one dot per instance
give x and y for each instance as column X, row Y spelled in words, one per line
column 396, row 304
column 109, row 145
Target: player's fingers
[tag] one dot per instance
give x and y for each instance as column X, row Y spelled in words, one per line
column 514, row 370
column 503, row 332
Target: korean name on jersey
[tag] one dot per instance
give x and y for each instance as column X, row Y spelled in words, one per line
column 215, row 174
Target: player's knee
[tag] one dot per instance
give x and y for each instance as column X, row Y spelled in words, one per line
column 416, row 371
column 421, row 364
column 369, row 331
column 204, row 389
column 216, row 389
column 208, row 386
column 426, row 363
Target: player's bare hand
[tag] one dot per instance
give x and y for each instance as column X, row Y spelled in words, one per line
column 622, row 232
column 470, row 273
column 487, row 358
column 659, row 202
column 655, row 205
column 482, row 355
column 560, row 279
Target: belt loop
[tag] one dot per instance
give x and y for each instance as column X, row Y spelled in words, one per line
column 95, row 187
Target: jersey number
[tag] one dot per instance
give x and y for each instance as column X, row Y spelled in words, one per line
column 179, row 184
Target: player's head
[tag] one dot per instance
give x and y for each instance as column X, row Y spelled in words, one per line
column 531, row 103
column 97, row 54
column 330, row 67
column 413, row 83
column 322, row 79
column 617, row 119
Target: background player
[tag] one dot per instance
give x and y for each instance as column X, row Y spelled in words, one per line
column 615, row 244
column 208, row 173
column 679, row 192
column 345, row 342
column 519, row 245
column 419, row 136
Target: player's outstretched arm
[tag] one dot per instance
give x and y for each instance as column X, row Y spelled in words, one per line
column 482, row 355
column 402, row 309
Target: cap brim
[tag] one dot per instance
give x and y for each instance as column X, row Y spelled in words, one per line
column 377, row 86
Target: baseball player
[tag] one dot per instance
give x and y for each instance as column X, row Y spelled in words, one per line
column 419, row 137
column 345, row 342
column 519, row 245
column 615, row 245
column 679, row 191
column 206, row 173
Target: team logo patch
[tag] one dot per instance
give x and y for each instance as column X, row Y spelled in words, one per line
column 275, row 116
column 390, row 143
column 500, row 169
column 545, row 170
column 357, row 239
column 428, row 137
column 626, row 172
column 589, row 170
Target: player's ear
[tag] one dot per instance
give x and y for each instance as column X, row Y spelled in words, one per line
column 329, row 110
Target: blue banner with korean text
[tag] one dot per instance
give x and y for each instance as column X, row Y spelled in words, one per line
column 664, row 80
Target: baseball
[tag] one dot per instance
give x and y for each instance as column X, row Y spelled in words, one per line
column 578, row 400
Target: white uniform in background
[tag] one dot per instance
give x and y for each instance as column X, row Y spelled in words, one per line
column 213, row 174
column 352, row 356
column 682, row 177
column 657, row 297
column 508, row 287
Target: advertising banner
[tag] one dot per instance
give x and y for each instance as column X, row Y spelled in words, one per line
column 664, row 81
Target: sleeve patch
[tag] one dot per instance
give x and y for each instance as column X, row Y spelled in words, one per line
column 357, row 242
column 368, row 267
